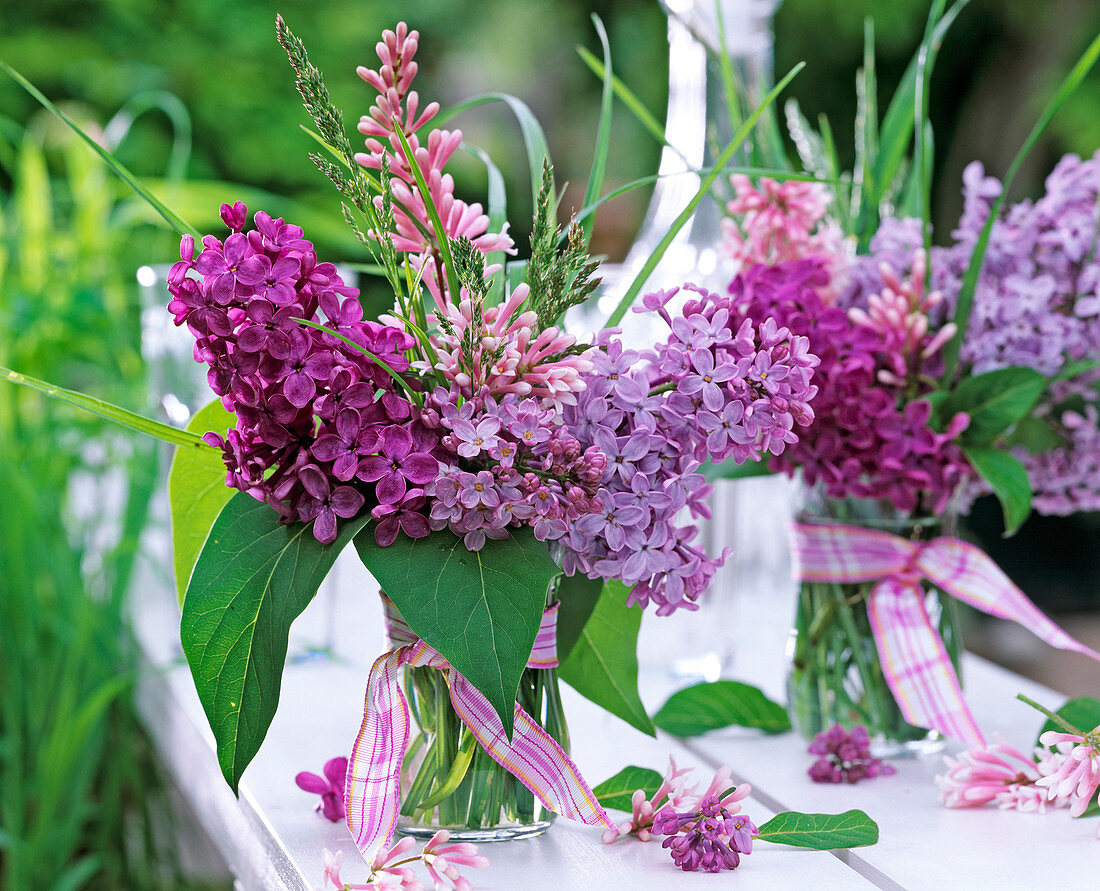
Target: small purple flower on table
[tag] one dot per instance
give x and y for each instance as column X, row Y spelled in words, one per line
column 330, row 787
column 710, row 838
column 845, row 756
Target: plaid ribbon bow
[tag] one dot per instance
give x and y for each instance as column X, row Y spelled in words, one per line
column 914, row 662
column 373, row 787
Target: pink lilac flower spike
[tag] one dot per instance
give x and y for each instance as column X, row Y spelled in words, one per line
column 442, row 861
column 845, row 756
column 671, row 791
column 397, row 105
column 1077, row 774
column 996, row 773
column 330, row 787
column 709, row 837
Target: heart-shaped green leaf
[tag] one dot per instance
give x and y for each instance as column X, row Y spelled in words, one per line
column 711, row 706
column 197, row 492
column 822, row 832
column 603, row 665
column 617, row 791
column 994, row 400
column 1008, row 479
column 480, row 609
column 253, row 578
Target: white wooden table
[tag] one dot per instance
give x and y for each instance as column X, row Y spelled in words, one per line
column 272, row 838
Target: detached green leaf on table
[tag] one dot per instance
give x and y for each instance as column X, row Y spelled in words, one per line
column 617, row 791
column 1008, row 479
column 480, row 609
column 603, row 665
column 712, row 706
column 253, row 578
column 822, row 832
column 197, row 492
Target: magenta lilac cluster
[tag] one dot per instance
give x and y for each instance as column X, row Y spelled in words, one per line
column 317, row 421
column 871, row 437
column 709, row 837
column 845, row 756
column 512, row 462
column 716, row 388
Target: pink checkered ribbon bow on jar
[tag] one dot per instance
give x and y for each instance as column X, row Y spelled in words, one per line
column 914, row 662
column 373, row 789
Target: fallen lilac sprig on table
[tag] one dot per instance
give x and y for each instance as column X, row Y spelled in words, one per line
column 845, row 756
column 441, row 859
column 702, row 829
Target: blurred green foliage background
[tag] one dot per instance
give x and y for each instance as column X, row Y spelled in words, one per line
column 197, row 92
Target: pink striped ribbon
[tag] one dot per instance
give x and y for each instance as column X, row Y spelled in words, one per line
column 914, row 662
column 373, row 788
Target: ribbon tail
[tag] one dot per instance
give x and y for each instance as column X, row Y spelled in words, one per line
column 968, row 574
column 915, row 664
column 373, row 788
column 533, row 756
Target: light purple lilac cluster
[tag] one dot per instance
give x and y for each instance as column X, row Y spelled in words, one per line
column 709, row 838
column 316, row 419
column 1037, row 305
column 511, row 461
column 871, row 436
column 718, row 387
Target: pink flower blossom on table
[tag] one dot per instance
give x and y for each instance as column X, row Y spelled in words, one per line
column 674, row 793
column 330, row 787
column 779, row 221
column 845, row 756
column 1075, row 776
column 442, row 861
column 996, row 773
column 509, row 356
column 396, row 100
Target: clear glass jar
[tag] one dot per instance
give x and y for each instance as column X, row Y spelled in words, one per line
column 449, row 781
column 834, row 674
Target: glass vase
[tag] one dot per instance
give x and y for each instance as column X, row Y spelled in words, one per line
column 834, row 675
column 449, row 781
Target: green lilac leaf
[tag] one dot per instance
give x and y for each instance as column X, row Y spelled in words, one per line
column 995, row 401
column 1008, row 479
column 1034, row 434
column 197, row 492
column 253, row 578
column 480, row 609
column 712, row 706
column 822, row 832
column 1082, row 712
column 577, row 597
column 731, row 470
column 603, row 665
column 617, row 791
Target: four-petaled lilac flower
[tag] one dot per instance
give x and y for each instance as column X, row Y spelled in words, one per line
column 396, row 464
column 330, row 787
column 344, row 447
column 472, row 441
column 478, row 489
column 706, row 379
column 405, row 516
column 324, row 504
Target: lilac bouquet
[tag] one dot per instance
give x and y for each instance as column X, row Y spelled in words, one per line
column 943, row 373
column 502, row 481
